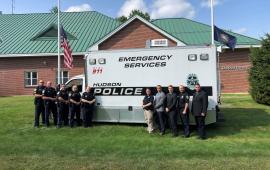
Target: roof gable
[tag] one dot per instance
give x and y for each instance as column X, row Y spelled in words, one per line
column 95, row 46
column 51, row 33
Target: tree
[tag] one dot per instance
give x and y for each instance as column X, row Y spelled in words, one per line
column 54, row 10
column 122, row 19
column 134, row 12
column 145, row 15
column 259, row 74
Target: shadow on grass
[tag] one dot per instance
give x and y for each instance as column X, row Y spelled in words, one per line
column 238, row 119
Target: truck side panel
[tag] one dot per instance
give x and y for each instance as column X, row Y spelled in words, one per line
column 119, row 78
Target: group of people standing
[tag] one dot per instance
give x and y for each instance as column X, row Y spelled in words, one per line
column 63, row 106
column 170, row 106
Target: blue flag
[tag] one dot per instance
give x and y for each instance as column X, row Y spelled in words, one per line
column 224, row 38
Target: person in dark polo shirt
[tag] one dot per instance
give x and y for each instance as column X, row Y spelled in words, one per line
column 183, row 106
column 171, row 105
column 62, row 106
column 74, row 106
column 39, row 103
column 148, row 107
column 199, row 109
column 88, row 102
column 49, row 97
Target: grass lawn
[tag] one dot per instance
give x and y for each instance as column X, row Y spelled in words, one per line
column 241, row 142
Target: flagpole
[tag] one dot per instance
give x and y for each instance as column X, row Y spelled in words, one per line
column 59, row 57
column 212, row 23
column 213, row 44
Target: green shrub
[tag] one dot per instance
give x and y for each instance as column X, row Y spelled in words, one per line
column 259, row 75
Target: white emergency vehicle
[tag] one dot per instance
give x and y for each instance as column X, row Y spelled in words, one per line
column 119, row 78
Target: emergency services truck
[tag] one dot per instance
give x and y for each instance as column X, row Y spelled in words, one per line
column 119, row 78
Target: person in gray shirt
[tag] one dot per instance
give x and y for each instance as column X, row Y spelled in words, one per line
column 159, row 108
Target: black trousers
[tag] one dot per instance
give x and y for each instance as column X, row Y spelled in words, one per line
column 173, row 121
column 185, row 121
column 200, row 122
column 74, row 110
column 65, row 116
column 87, row 116
column 162, row 121
column 50, row 107
column 62, row 114
column 39, row 110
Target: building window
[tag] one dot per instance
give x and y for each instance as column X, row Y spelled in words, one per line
column 64, row 76
column 30, row 78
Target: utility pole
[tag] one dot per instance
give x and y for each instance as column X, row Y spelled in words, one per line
column 12, row 6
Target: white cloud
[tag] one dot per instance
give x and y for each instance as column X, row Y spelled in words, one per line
column 160, row 8
column 172, row 8
column 79, row 8
column 207, row 3
column 130, row 5
column 240, row 30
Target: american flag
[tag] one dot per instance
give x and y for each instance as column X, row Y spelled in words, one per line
column 68, row 59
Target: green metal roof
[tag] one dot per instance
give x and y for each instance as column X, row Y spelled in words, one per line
column 33, row 33
column 19, row 32
column 195, row 33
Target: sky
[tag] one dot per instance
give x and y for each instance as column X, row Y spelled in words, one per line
column 248, row 17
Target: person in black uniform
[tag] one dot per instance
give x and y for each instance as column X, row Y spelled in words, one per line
column 88, row 100
column 62, row 106
column 74, row 106
column 171, row 103
column 199, row 109
column 49, row 97
column 183, row 106
column 39, row 103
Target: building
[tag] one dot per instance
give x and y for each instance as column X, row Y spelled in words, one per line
column 28, row 46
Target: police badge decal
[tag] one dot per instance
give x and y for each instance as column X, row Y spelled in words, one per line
column 192, row 80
